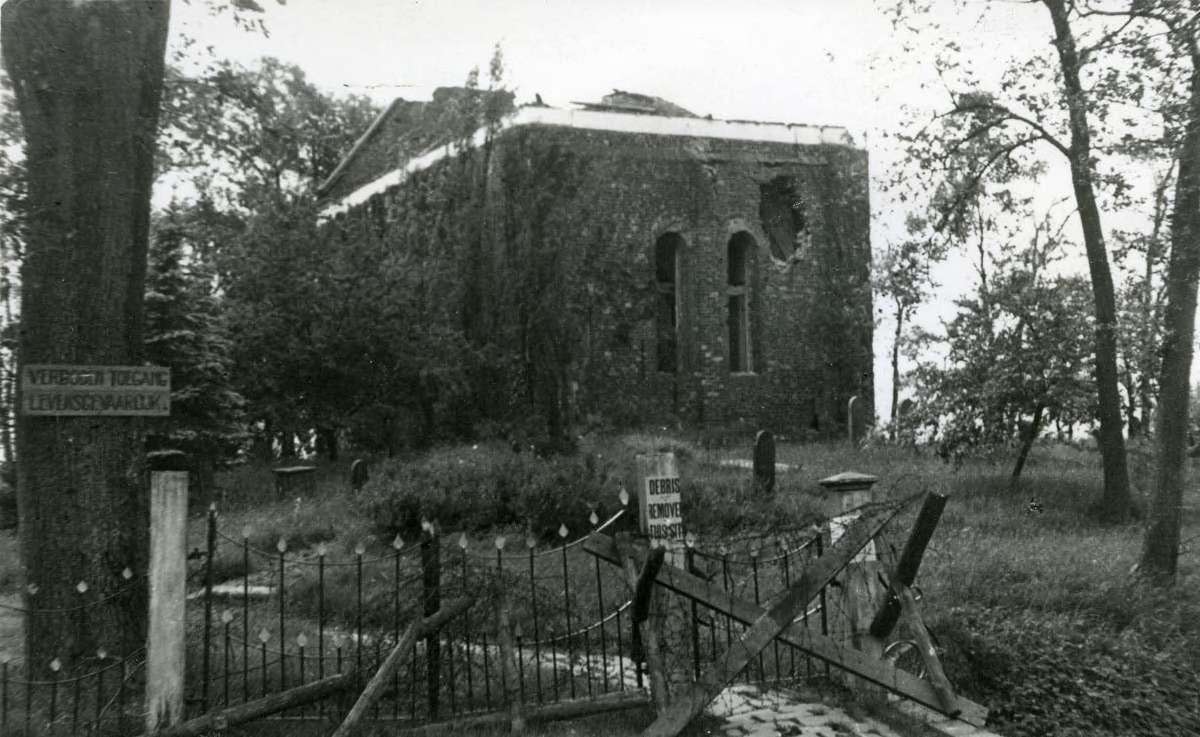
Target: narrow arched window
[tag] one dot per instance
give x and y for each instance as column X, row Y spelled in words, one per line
column 740, row 260
column 666, row 277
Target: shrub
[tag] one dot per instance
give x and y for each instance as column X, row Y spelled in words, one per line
column 487, row 486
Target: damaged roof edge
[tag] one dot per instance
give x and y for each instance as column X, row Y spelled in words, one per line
column 376, row 124
column 796, row 134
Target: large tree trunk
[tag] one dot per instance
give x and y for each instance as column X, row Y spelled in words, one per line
column 88, row 77
column 1160, row 552
column 1116, row 503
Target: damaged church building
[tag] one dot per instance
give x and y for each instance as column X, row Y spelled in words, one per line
column 636, row 263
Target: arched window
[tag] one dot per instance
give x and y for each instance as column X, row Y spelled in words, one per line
column 740, row 299
column 666, row 277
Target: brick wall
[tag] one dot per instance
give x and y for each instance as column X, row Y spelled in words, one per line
column 811, row 311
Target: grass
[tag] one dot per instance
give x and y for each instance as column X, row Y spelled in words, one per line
column 1039, row 615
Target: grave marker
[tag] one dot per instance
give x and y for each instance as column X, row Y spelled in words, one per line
column 359, row 473
column 764, row 462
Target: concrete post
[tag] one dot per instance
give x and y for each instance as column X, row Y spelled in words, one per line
column 168, row 593
column 853, row 605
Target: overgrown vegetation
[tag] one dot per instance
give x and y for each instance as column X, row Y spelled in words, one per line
column 1039, row 614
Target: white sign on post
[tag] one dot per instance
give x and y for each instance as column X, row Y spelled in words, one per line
column 659, row 509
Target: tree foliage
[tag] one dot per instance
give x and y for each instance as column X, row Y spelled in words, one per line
column 1017, row 358
column 185, row 331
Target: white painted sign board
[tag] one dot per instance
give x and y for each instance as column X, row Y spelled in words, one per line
column 659, row 501
column 63, row 390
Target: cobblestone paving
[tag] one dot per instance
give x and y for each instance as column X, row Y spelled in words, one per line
column 747, row 711
column 750, row 712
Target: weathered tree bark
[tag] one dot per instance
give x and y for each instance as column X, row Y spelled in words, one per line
column 1116, row 503
column 1031, row 432
column 88, row 78
column 900, row 315
column 1160, row 553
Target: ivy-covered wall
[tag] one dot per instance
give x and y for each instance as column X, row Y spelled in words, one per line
column 542, row 244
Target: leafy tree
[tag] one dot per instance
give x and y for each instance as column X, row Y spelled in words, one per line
column 1086, row 103
column 1140, row 303
column 88, row 80
column 185, row 331
column 1160, row 553
column 256, row 143
column 1017, row 357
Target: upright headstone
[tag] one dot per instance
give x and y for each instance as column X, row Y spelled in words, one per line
column 359, row 473
column 764, row 462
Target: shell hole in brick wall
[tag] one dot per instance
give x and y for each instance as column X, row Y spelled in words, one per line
column 783, row 216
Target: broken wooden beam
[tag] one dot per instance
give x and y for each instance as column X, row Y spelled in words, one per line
column 933, row 665
column 777, row 616
column 910, row 562
column 219, row 721
column 645, row 622
column 399, row 654
column 799, row 636
column 510, row 668
column 538, row 713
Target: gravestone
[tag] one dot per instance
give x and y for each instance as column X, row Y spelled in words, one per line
column 764, row 462
column 359, row 473
column 295, row 481
column 857, row 420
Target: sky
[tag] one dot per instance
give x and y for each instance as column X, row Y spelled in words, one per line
column 833, row 62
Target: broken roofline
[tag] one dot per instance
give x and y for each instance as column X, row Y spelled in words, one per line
column 796, row 134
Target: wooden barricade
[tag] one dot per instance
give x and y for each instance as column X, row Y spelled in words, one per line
column 776, row 620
